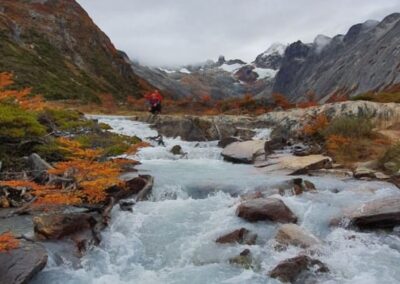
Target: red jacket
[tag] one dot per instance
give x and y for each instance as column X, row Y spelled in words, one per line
column 154, row 98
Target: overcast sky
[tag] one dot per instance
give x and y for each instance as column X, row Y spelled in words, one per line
column 177, row 32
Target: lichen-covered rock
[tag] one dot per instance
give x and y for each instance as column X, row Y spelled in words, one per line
column 20, row 265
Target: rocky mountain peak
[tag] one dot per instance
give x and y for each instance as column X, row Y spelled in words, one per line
column 271, row 58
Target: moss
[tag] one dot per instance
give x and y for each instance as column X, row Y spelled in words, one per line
column 380, row 97
column 51, row 151
column 113, row 144
column 18, row 123
column 66, row 120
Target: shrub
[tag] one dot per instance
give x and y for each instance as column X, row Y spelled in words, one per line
column 67, row 120
column 350, row 127
column 18, row 123
column 391, row 159
column 317, row 126
column 379, row 97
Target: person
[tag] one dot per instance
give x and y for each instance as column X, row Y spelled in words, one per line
column 154, row 100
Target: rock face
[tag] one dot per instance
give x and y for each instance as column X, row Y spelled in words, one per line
column 382, row 213
column 292, row 234
column 47, row 43
column 365, row 59
column 57, row 226
column 244, row 152
column 19, row 266
column 290, row 270
column 266, row 209
column 241, row 236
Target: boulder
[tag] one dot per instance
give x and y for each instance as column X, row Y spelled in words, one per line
column 138, row 186
column 381, row 213
column 241, row 236
column 244, row 152
column 243, row 260
column 292, row 234
column 20, row 265
column 266, row 209
column 290, row 270
column 177, row 150
column 294, row 165
column 57, row 226
column 227, row 141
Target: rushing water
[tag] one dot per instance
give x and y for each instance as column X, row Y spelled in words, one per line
column 171, row 238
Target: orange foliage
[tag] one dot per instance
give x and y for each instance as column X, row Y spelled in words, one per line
column 23, row 97
column 8, row 242
column 335, row 142
column 320, row 123
column 310, row 102
column 136, row 147
column 77, row 151
column 108, row 102
column 281, row 101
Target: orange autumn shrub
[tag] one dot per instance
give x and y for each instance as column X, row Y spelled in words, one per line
column 281, row 101
column 316, row 126
column 136, row 147
column 8, row 242
column 336, row 142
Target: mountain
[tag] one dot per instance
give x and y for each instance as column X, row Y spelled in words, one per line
column 220, row 80
column 55, row 47
column 365, row 59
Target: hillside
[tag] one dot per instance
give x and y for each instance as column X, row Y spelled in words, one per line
column 55, row 47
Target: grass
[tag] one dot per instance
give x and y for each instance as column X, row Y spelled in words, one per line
column 390, row 161
column 379, row 97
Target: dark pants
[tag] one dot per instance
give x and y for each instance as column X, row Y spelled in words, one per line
column 156, row 108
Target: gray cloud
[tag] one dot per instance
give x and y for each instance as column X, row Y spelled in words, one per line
column 174, row 32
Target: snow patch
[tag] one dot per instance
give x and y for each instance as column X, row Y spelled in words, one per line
column 265, row 73
column 275, row 48
column 185, row 70
column 166, row 70
column 231, row 68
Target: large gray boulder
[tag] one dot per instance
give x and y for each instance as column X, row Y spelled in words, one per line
column 244, row 152
column 266, row 209
column 20, row 265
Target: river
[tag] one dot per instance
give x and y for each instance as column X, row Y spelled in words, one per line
column 171, row 238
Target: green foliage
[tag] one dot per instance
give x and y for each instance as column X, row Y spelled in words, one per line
column 18, row 123
column 67, row 120
column 350, row 127
column 391, row 159
column 113, row 144
column 51, row 151
column 380, row 97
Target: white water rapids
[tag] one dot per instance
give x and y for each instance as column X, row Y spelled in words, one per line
column 171, row 238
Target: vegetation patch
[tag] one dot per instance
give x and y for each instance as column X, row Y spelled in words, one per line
column 379, row 97
column 390, row 161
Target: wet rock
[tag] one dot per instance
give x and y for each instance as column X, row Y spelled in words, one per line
column 126, row 205
column 244, row 152
column 241, row 236
column 57, row 226
column 227, row 141
column 291, row 270
column 294, row 165
column 363, row 172
column 140, row 185
column 377, row 214
column 243, row 260
column 251, row 195
column 266, row 209
column 177, row 150
column 20, row 265
column 14, row 196
column 292, row 234
column 296, row 186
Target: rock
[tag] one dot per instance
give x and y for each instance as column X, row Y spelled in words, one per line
column 140, row 185
column 244, row 152
column 177, row 150
column 289, row 271
column 20, row 265
column 292, row 234
column 227, row 141
column 241, row 236
column 363, row 172
column 126, row 205
column 377, row 214
column 243, row 260
column 57, row 226
column 294, row 165
column 296, row 186
column 4, row 203
column 38, row 166
column 266, row 209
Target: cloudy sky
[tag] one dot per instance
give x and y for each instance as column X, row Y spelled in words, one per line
column 176, row 32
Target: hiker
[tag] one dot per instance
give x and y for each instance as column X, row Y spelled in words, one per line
column 154, row 100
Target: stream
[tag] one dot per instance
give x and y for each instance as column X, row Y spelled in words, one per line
column 171, row 238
